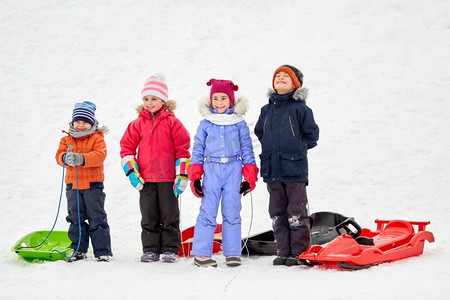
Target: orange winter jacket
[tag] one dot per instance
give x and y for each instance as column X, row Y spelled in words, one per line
column 93, row 148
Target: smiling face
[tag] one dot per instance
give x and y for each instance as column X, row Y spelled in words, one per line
column 220, row 102
column 81, row 126
column 283, row 83
column 152, row 103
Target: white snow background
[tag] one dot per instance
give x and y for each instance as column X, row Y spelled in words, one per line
column 378, row 74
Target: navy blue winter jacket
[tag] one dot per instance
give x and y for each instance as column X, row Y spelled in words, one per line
column 286, row 130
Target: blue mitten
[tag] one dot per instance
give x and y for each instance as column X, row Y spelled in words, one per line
column 131, row 170
column 181, row 178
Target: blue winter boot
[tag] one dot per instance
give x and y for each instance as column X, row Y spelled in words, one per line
column 149, row 256
column 169, row 257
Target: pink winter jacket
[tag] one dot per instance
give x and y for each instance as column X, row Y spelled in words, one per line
column 158, row 141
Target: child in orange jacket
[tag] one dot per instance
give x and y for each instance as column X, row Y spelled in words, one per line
column 82, row 152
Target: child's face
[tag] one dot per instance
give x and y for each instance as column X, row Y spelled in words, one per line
column 152, row 103
column 81, row 126
column 220, row 102
column 283, row 83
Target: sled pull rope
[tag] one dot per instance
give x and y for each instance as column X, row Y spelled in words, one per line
column 78, row 210
column 310, row 233
column 56, row 219
column 181, row 225
column 250, row 226
column 79, row 218
column 57, row 214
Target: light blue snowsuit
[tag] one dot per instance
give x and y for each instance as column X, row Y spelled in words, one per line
column 222, row 144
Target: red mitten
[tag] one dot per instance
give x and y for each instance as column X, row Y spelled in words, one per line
column 250, row 173
column 195, row 173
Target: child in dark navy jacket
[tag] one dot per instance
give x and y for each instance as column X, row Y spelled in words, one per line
column 286, row 130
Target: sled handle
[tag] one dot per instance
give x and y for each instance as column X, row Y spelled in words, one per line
column 344, row 225
column 420, row 224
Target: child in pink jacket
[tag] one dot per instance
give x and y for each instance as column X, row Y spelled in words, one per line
column 155, row 155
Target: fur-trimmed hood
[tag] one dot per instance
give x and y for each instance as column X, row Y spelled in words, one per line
column 170, row 104
column 103, row 129
column 300, row 94
column 240, row 106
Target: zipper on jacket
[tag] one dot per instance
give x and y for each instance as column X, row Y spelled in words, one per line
column 264, row 126
column 292, row 127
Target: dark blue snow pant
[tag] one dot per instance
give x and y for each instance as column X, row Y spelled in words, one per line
column 92, row 202
column 160, row 221
column 290, row 218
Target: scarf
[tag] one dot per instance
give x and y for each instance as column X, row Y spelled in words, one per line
column 224, row 119
column 81, row 134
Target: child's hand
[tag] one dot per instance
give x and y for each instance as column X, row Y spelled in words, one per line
column 247, row 187
column 136, row 180
column 181, row 166
column 195, row 173
column 131, row 170
column 250, row 173
column 196, row 188
column 73, row 159
column 180, row 184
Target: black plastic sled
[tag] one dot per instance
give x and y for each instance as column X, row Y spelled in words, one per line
column 325, row 226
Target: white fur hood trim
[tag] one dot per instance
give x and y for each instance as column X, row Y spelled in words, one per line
column 240, row 106
column 170, row 104
column 299, row 95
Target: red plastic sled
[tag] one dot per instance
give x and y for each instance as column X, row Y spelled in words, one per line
column 187, row 237
column 393, row 240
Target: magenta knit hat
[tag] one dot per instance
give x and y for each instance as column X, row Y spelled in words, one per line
column 222, row 86
column 156, row 85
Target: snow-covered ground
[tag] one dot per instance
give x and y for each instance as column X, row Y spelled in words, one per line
column 378, row 74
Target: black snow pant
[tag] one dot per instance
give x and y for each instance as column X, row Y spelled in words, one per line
column 290, row 218
column 91, row 207
column 160, row 221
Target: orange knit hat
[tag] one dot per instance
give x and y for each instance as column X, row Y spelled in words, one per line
column 293, row 72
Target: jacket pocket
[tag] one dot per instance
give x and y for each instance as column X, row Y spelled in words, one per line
column 293, row 164
column 265, row 164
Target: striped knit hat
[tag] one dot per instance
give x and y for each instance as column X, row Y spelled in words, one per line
column 84, row 111
column 156, row 85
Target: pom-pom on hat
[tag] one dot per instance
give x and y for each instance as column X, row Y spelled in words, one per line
column 156, row 85
column 222, row 86
column 293, row 72
column 84, row 111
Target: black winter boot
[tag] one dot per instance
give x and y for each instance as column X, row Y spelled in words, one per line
column 280, row 261
column 293, row 260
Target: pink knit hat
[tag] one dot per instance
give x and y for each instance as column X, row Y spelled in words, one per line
column 222, row 86
column 156, row 85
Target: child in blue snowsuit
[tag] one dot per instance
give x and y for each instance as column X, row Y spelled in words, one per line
column 222, row 154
